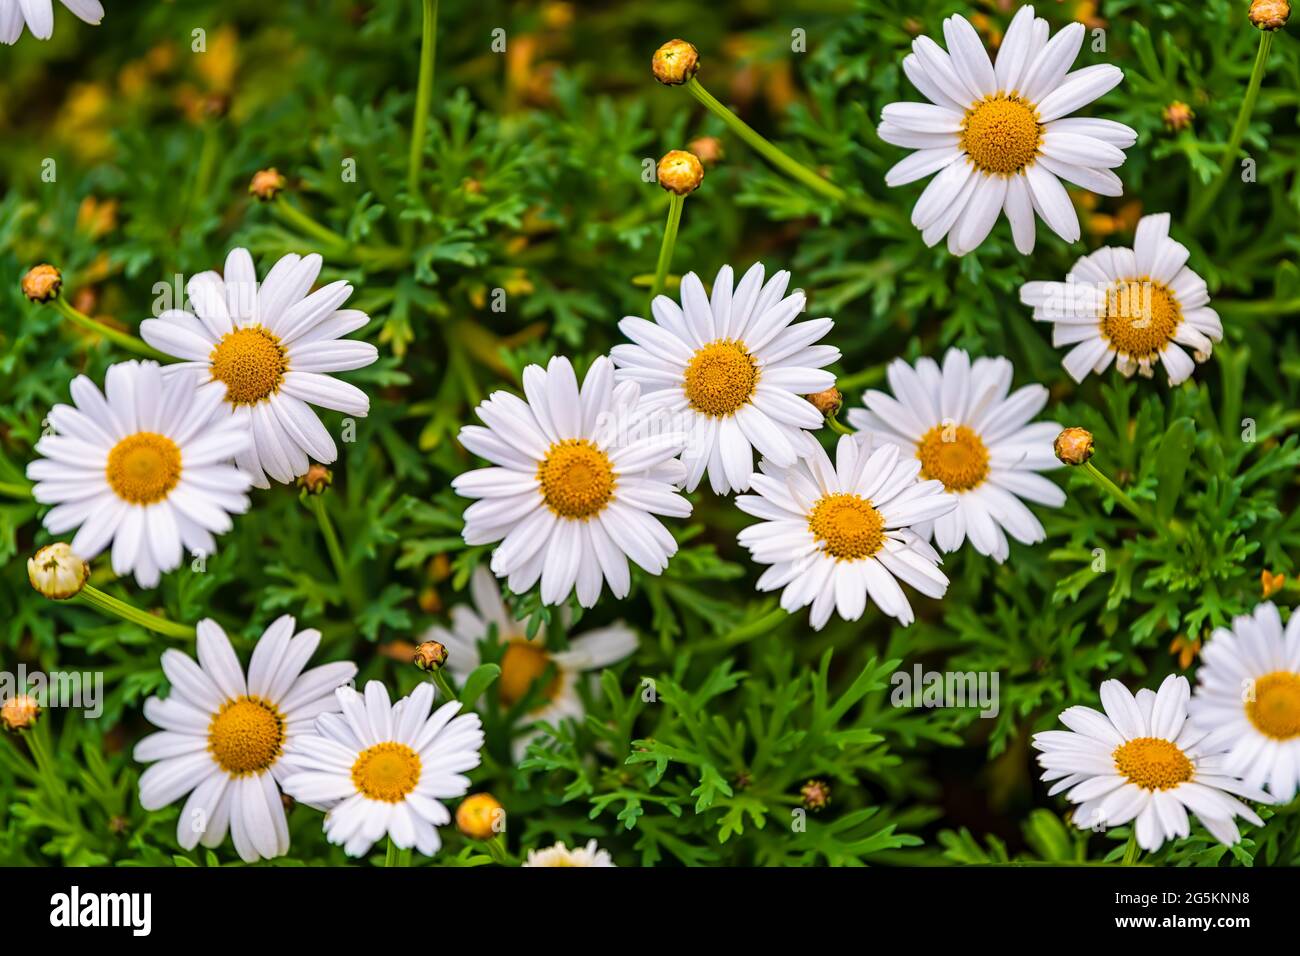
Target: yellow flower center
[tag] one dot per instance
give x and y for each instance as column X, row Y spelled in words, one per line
column 1153, row 763
column 577, row 478
column 847, row 527
column 143, row 468
column 720, row 378
column 1141, row 317
column 955, row 456
column 251, row 362
column 522, row 664
column 1275, row 711
column 386, row 772
column 246, row 736
column 1001, row 134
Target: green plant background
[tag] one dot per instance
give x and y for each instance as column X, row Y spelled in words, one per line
column 532, row 182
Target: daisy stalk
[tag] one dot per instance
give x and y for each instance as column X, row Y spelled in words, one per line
column 122, row 339
column 395, row 856
column 1120, row 495
column 378, row 256
column 675, row 205
column 342, row 569
column 15, row 490
column 782, row 160
column 423, row 97
column 107, row 604
column 1202, row 203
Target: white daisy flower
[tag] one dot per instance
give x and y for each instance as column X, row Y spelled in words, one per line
column 1142, row 761
column 1248, row 699
column 39, row 16
column 731, row 371
column 836, row 533
column 384, row 768
column 273, row 345
column 970, row 435
column 1133, row 306
column 145, row 469
column 224, row 738
column 999, row 136
column 526, row 659
column 560, row 855
column 577, row 478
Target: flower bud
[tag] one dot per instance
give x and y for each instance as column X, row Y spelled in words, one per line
column 56, row 572
column 1178, row 116
column 1270, row 584
column 680, row 172
column 816, row 794
column 480, row 816
column 1270, row 14
column 266, row 184
column 19, row 712
column 827, row 402
column 708, row 149
column 675, row 62
column 429, row 656
column 42, row 283
column 1074, row 446
column 315, row 479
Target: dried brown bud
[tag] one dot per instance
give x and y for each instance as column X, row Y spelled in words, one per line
column 1074, row 446
column 1270, row 14
column 708, row 149
column 19, row 712
column 56, row 572
column 675, row 62
column 42, row 283
column 827, row 402
column 430, row 656
column 316, row 479
column 680, row 172
column 816, row 794
column 480, row 816
column 266, row 184
column 1178, row 116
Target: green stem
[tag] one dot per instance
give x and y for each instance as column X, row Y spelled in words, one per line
column 108, row 604
column 834, row 422
column 783, row 161
column 14, row 490
column 444, row 686
column 423, row 96
column 341, row 568
column 1205, row 200
column 675, row 205
column 291, row 214
column 1131, row 851
column 746, row 632
column 393, row 856
column 379, row 256
column 123, row 339
column 1120, row 496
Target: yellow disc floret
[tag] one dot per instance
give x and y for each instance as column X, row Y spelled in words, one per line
column 847, row 527
column 251, row 362
column 522, row 664
column 1001, row 134
column 1275, row 711
column 576, row 478
column 386, row 772
column 1153, row 763
column 246, row 736
column 143, row 468
column 720, row 378
column 1141, row 317
column 954, row 455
